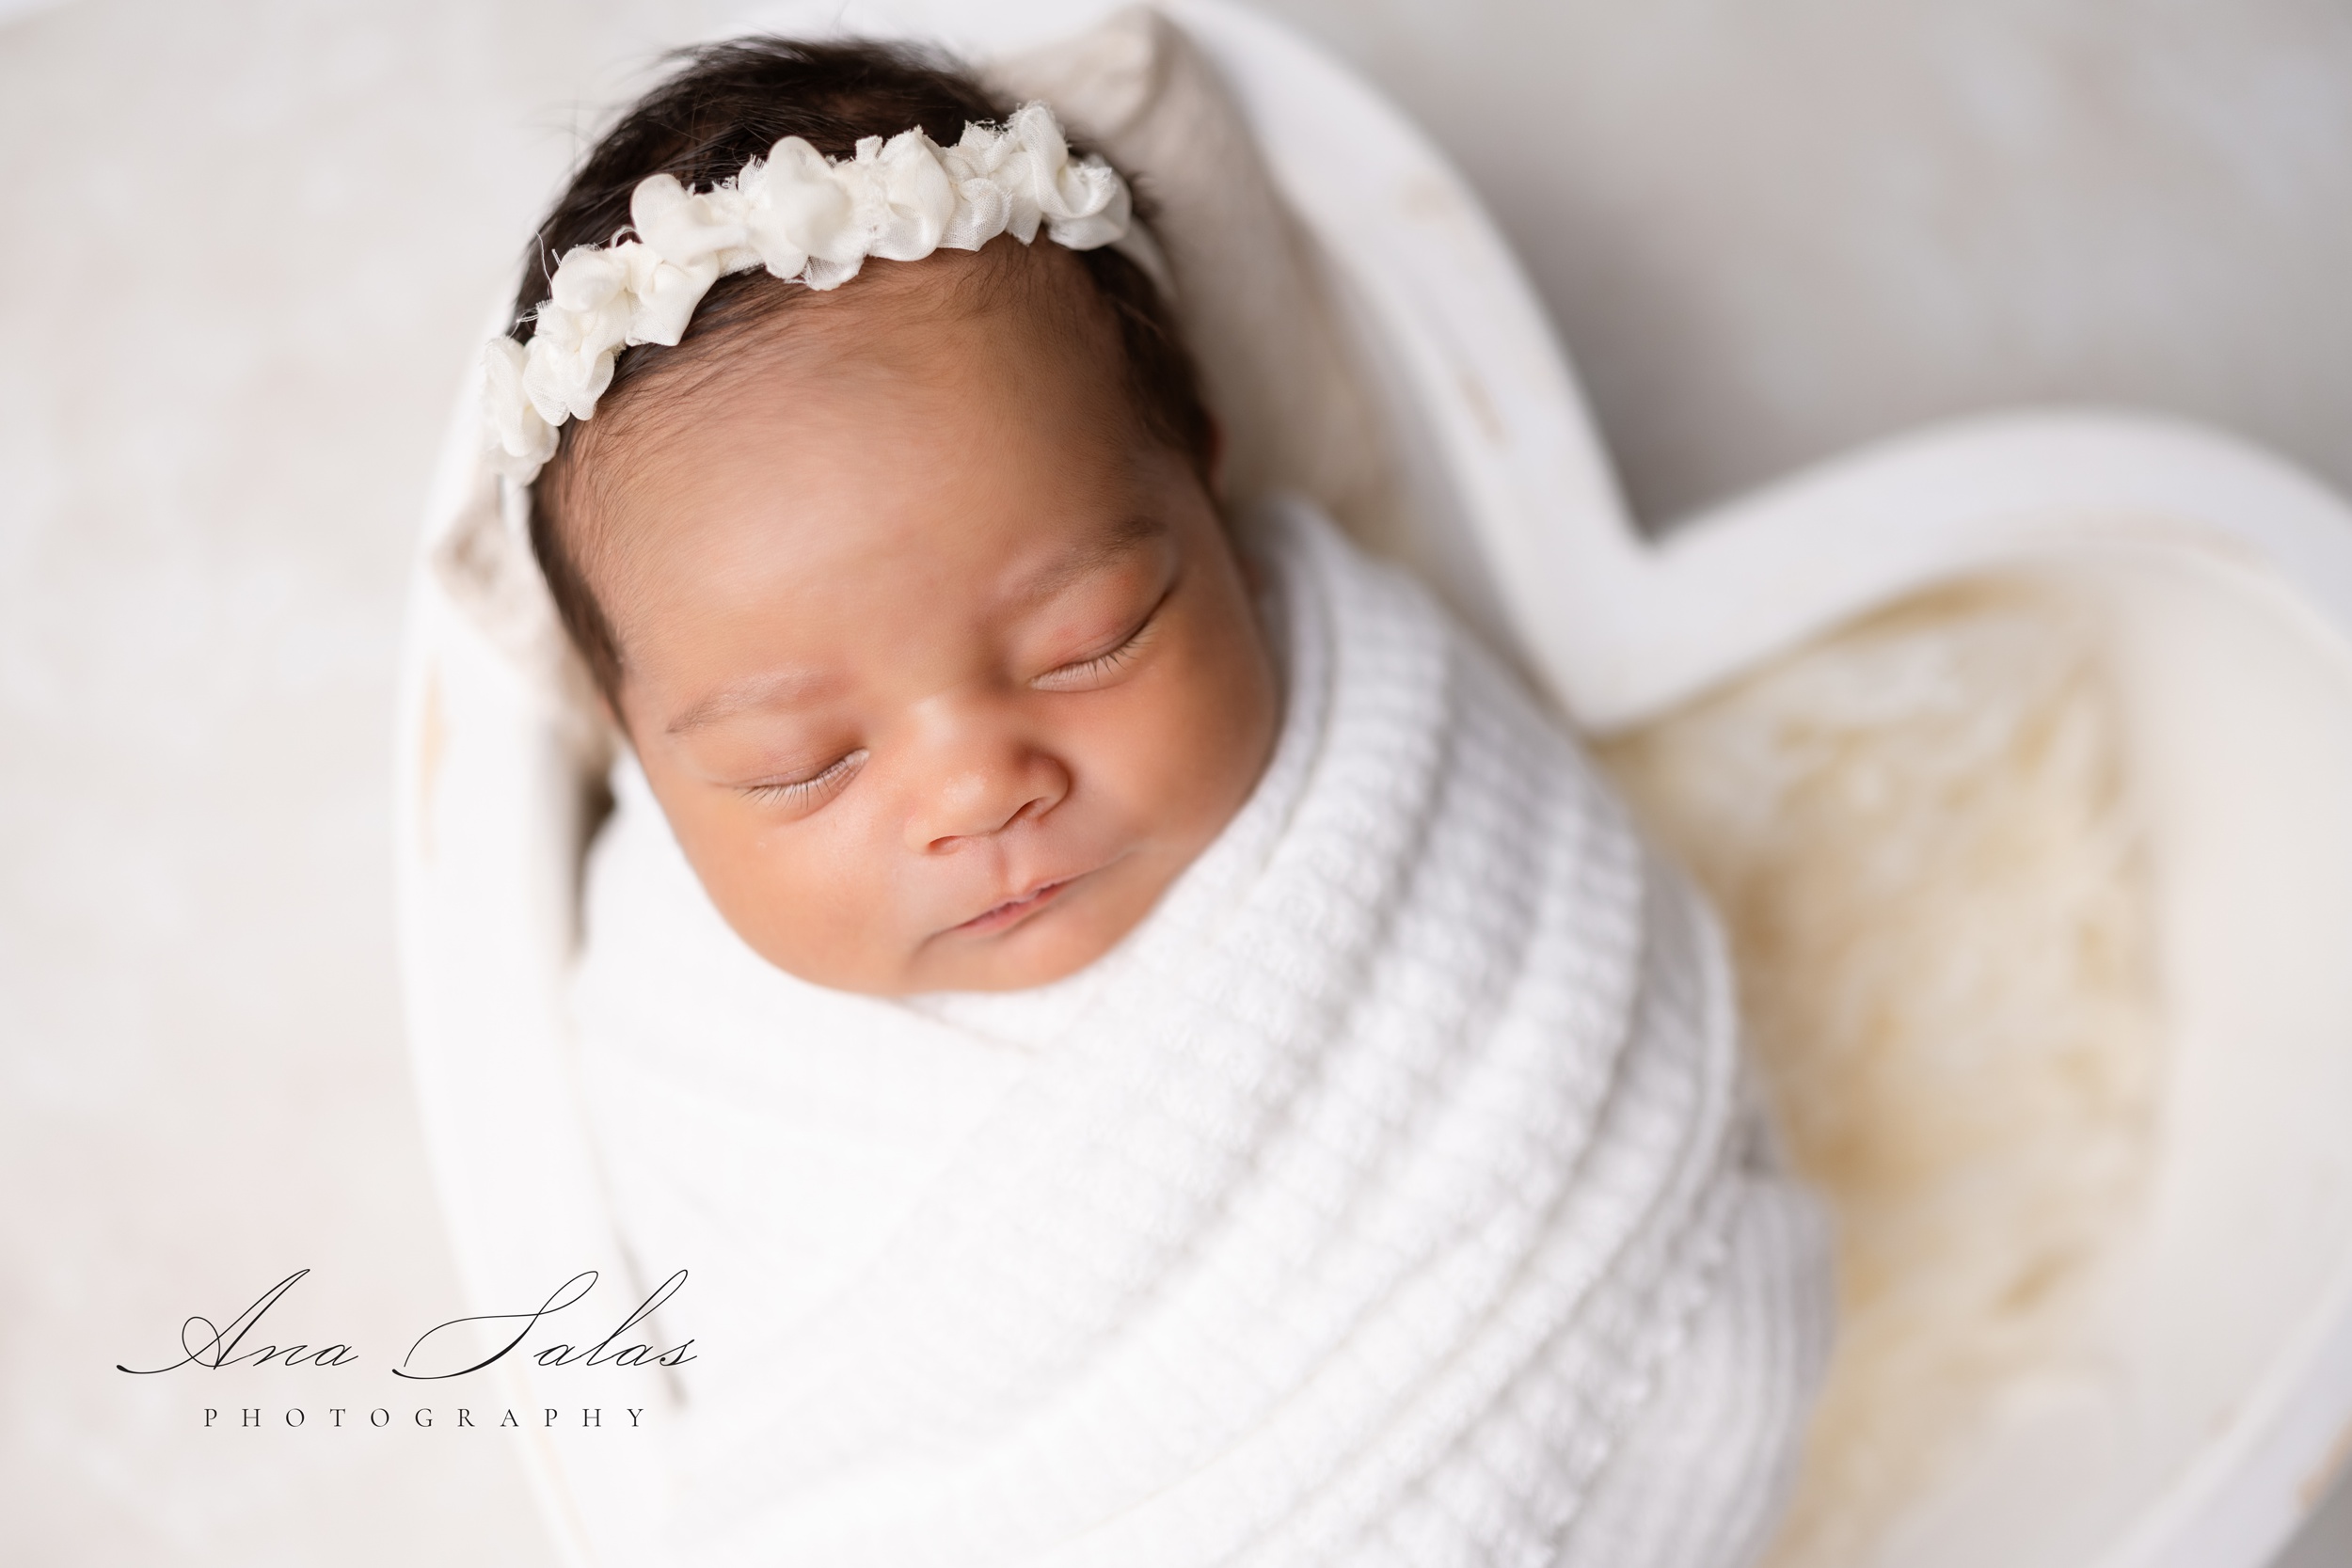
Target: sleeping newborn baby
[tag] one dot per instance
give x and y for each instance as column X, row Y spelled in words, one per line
column 1153, row 1048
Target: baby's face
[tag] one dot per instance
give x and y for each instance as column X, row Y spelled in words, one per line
column 941, row 668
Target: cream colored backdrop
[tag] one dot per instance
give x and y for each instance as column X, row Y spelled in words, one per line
column 247, row 247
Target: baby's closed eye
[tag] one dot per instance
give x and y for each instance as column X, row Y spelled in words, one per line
column 1109, row 659
column 807, row 788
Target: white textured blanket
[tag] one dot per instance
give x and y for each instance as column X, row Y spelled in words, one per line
column 1392, row 1195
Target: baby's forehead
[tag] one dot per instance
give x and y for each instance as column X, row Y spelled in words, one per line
column 871, row 441
column 1042, row 317
column 1038, row 299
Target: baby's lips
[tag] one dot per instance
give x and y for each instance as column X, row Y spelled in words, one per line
column 1005, row 910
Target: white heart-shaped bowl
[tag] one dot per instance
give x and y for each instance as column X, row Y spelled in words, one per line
column 2224, row 577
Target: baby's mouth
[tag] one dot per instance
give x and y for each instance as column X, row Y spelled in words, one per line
column 1014, row 910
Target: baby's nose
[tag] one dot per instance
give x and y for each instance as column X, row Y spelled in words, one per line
column 981, row 785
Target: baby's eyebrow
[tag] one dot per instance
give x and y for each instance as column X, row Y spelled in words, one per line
column 757, row 691
column 1122, row 537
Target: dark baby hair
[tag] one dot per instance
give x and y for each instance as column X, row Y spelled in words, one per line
column 728, row 104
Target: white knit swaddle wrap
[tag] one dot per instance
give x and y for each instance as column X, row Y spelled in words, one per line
column 1391, row 1196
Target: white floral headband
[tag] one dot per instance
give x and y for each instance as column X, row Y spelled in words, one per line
column 805, row 218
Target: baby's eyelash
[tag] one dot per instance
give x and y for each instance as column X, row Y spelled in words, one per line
column 800, row 791
column 1102, row 663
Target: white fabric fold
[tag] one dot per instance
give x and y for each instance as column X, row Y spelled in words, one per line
column 1392, row 1195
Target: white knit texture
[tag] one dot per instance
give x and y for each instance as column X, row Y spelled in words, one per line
column 1392, row 1195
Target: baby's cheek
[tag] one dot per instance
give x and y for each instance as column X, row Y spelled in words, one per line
column 1161, row 785
column 832, row 887
column 1213, row 738
column 800, row 896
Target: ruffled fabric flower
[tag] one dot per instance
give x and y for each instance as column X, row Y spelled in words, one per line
column 806, row 218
